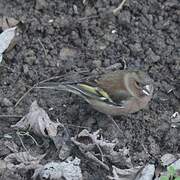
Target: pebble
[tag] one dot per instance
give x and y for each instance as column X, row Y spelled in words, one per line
column 152, row 56
column 97, row 63
column 40, row 4
column 25, row 69
column 6, row 102
column 124, row 17
column 66, row 53
column 30, row 57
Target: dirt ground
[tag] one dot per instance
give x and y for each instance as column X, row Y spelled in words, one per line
column 67, row 36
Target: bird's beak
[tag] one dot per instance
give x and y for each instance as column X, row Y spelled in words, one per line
column 147, row 90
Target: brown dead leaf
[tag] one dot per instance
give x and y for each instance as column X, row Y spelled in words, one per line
column 136, row 173
column 62, row 143
column 125, row 174
column 23, row 161
column 38, row 121
column 8, row 22
column 12, row 146
column 88, row 141
column 23, row 157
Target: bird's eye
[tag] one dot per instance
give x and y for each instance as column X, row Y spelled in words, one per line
column 137, row 84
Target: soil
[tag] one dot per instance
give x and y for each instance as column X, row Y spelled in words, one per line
column 63, row 37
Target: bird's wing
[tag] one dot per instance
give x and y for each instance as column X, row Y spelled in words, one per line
column 88, row 91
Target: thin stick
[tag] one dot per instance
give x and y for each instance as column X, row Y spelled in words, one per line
column 119, row 7
column 27, row 134
column 100, row 150
column 95, row 159
column 10, row 116
column 18, row 134
column 45, row 52
column 26, row 93
column 82, row 127
column 111, row 118
column 89, row 17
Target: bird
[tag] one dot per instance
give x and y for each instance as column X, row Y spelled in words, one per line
column 112, row 93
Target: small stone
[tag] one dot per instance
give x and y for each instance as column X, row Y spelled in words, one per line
column 136, row 48
column 66, row 53
column 6, row 102
column 107, row 62
column 51, row 21
column 97, row 63
column 124, row 17
column 75, row 8
column 63, row 21
column 154, row 147
column 114, row 31
column 40, row 4
column 167, row 87
column 152, row 56
column 30, row 57
column 25, row 69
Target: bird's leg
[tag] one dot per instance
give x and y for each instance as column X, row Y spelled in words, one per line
column 124, row 64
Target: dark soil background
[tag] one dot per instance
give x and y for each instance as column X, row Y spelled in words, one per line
column 65, row 36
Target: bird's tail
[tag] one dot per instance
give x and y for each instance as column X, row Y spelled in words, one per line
column 62, row 87
column 83, row 90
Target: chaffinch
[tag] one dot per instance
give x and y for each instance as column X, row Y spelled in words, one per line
column 114, row 93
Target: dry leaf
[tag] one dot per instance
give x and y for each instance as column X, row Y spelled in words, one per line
column 23, row 161
column 135, row 173
column 62, row 143
column 23, row 157
column 67, row 170
column 38, row 121
column 5, row 39
column 88, row 141
column 125, row 174
column 168, row 159
column 8, row 22
column 12, row 146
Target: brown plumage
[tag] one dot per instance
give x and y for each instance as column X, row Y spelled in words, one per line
column 114, row 93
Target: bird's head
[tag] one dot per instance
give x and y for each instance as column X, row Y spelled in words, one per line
column 139, row 83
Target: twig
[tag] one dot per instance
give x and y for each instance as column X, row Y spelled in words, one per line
column 119, row 7
column 82, row 127
column 100, row 150
column 26, row 93
column 27, row 134
column 51, row 78
column 18, row 134
column 95, row 159
column 111, row 118
column 45, row 52
column 10, row 116
column 88, row 17
column 43, row 81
